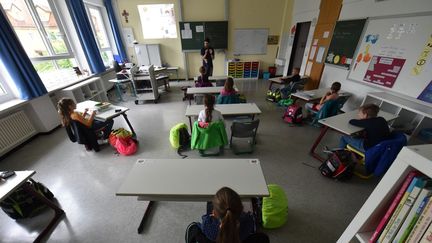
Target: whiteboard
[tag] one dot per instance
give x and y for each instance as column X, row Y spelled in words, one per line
column 250, row 41
column 395, row 54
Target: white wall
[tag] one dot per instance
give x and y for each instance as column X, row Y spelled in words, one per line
column 306, row 10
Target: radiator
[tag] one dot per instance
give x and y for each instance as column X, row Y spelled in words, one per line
column 14, row 129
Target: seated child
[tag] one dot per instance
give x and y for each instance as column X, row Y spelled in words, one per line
column 290, row 81
column 228, row 88
column 203, row 80
column 66, row 109
column 209, row 114
column 225, row 220
column 333, row 94
column 375, row 131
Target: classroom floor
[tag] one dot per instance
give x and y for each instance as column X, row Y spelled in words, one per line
column 85, row 183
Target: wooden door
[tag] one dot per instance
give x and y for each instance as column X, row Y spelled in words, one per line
column 329, row 14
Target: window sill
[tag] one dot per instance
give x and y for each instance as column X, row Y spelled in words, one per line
column 65, row 85
column 11, row 104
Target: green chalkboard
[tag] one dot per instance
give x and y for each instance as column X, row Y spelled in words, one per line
column 345, row 38
column 216, row 31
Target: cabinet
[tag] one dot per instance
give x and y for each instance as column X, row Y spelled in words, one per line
column 148, row 54
column 365, row 222
column 412, row 115
column 243, row 70
column 91, row 89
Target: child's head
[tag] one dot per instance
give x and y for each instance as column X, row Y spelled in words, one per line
column 229, row 84
column 335, row 87
column 202, row 70
column 65, row 107
column 209, row 101
column 295, row 71
column 227, row 207
column 368, row 111
column 206, row 42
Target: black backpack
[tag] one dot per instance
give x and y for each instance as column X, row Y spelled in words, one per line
column 20, row 204
column 340, row 165
column 184, row 141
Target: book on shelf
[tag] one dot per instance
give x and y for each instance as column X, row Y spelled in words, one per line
column 413, row 191
column 414, row 220
column 427, row 237
column 421, row 225
column 387, row 233
column 382, row 224
column 425, row 192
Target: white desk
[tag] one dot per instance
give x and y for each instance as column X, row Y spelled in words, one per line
column 192, row 179
column 226, row 110
column 10, row 184
column 279, row 81
column 173, row 69
column 315, row 94
column 206, row 90
column 341, row 124
column 110, row 113
column 213, row 78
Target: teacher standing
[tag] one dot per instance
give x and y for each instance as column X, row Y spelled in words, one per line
column 207, row 55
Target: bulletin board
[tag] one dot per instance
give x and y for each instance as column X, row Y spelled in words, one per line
column 396, row 54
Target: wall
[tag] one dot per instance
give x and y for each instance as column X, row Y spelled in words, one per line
column 352, row 9
column 274, row 15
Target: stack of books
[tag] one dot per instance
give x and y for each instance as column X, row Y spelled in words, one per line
column 409, row 216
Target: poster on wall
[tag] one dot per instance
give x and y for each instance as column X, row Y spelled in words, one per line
column 396, row 54
column 383, row 70
column 426, row 95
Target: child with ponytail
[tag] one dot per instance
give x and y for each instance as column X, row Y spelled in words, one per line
column 66, row 109
column 209, row 114
column 225, row 221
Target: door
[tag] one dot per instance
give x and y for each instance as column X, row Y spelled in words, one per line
column 299, row 45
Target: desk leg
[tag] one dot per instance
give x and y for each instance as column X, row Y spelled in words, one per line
column 119, row 94
column 317, row 141
column 253, row 117
column 270, row 85
column 190, row 123
column 129, row 124
column 58, row 211
column 144, row 218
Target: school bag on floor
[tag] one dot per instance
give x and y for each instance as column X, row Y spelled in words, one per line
column 293, row 114
column 274, row 208
column 340, row 165
column 274, row 95
column 180, row 138
column 20, row 204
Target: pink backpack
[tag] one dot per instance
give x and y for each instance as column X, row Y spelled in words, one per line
column 126, row 146
column 293, row 114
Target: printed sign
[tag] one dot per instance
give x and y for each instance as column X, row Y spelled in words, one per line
column 383, row 70
column 421, row 61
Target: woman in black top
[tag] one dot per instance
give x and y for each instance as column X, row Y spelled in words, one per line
column 375, row 130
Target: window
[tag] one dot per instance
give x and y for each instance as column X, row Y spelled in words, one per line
column 158, row 21
column 42, row 36
column 100, row 33
column 5, row 91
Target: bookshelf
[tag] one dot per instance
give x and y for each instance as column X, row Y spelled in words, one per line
column 91, row 89
column 413, row 116
column 410, row 158
column 243, row 70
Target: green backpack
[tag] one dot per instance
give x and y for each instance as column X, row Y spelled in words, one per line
column 274, row 208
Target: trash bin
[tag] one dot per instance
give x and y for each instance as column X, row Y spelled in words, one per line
column 272, row 71
column 266, row 75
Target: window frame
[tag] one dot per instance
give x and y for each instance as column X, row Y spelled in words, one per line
column 8, row 95
column 89, row 6
column 42, row 32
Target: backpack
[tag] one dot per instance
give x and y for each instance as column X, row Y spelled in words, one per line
column 339, row 165
column 180, row 138
column 293, row 114
column 274, row 95
column 274, row 208
column 20, row 204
